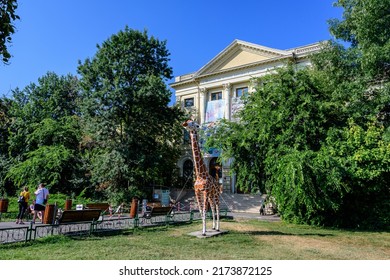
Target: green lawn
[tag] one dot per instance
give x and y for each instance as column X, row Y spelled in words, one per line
column 246, row 239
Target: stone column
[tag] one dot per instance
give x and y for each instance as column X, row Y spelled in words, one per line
column 228, row 100
column 202, row 104
column 180, row 101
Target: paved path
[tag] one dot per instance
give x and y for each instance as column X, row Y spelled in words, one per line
column 13, row 225
column 243, row 215
column 235, row 215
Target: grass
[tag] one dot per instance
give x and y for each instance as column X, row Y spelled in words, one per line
column 246, row 240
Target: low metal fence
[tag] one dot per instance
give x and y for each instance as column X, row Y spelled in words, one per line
column 31, row 232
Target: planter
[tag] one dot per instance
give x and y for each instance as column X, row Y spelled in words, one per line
column 4, row 205
column 68, row 204
column 133, row 208
column 49, row 214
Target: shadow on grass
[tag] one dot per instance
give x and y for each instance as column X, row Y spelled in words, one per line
column 269, row 233
column 44, row 240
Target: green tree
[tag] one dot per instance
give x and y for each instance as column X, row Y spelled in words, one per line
column 7, row 16
column 277, row 145
column 363, row 152
column 53, row 98
column 45, row 134
column 366, row 24
column 132, row 131
column 5, row 121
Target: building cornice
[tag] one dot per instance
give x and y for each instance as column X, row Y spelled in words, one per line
column 298, row 53
column 295, row 53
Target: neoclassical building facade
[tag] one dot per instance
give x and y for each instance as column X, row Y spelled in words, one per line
column 214, row 91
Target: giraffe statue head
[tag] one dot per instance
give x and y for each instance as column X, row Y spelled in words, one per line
column 191, row 126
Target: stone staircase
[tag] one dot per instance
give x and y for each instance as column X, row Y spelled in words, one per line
column 246, row 203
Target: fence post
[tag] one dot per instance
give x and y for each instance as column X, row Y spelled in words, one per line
column 136, row 220
column 28, row 232
column 92, row 227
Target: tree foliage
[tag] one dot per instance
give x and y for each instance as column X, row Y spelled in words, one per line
column 7, row 28
column 113, row 130
column 366, row 25
column 132, row 131
column 5, row 161
column 5, row 121
column 45, row 134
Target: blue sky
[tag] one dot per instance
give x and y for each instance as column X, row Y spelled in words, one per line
column 53, row 35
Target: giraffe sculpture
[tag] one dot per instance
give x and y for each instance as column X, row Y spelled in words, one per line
column 207, row 190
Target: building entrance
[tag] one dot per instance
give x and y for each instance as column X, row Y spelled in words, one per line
column 215, row 169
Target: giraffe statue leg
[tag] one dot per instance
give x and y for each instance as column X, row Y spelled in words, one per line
column 202, row 209
column 212, row 206
column 204, row 212
column 197, row 197
column 217, row 210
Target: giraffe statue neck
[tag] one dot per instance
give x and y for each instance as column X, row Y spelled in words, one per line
column 200, row 167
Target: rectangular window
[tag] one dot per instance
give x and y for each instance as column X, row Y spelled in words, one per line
column 186, row 137
column 216, row 96
column 189, row 102
column 241, row 91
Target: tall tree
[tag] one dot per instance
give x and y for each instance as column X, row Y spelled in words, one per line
column 366, row 24
column 45, row 134
column 7, row 28
column 5, row 122
column 126, row 112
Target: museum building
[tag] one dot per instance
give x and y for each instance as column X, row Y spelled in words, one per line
column 215, row 90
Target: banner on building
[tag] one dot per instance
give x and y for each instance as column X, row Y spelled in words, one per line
column 215, row 110
column 237, row 105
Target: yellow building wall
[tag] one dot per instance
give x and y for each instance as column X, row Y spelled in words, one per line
column 243, row 58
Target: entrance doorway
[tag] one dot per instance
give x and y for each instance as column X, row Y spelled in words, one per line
column 215, row 169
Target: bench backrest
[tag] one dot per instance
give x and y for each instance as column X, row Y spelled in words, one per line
column 71, row 216
column 101, row 206
column 164, row 210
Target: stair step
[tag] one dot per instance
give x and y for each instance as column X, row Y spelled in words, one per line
column 248, row 203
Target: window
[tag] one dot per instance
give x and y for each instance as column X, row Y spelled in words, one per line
column 216, row 96
column 186, row 137
column 188, row 173
column 189, row 102
column 241, row 91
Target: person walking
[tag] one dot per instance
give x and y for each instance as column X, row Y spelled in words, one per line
column 24, row 197
column 42, row 195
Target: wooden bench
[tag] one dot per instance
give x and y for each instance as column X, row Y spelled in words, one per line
column 158, row 211
column 74, row 216
column 101, row 206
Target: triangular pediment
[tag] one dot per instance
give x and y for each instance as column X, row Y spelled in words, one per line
column 239, row 54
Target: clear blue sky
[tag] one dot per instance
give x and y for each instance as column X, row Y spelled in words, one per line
column 53, row 35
